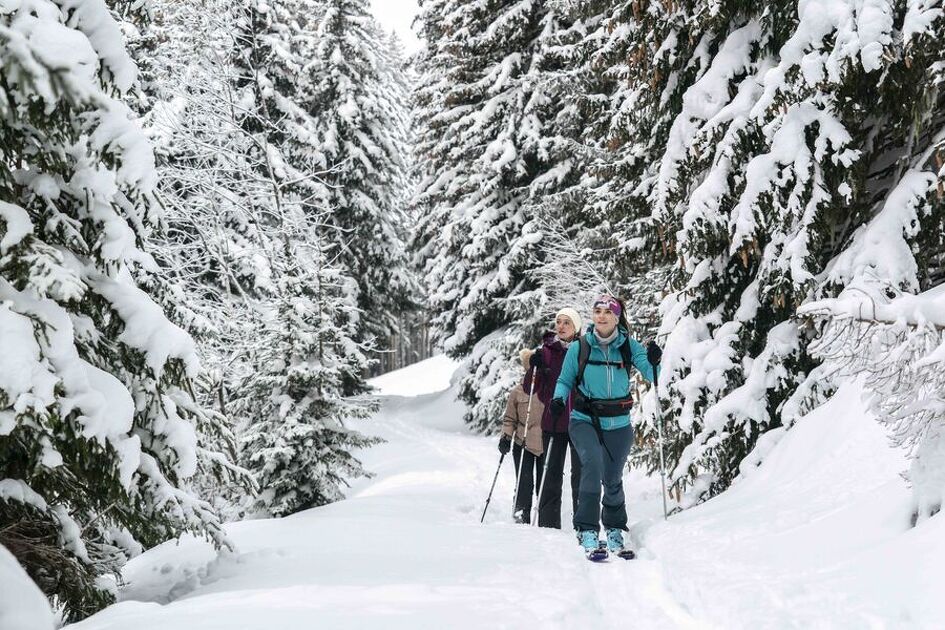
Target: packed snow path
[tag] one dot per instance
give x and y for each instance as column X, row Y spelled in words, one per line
column 784, row 549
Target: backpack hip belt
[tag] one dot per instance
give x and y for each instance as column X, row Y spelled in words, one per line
column 602, row 407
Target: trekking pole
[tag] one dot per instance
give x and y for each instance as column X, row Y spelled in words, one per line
column 489, row 498
column 521, row 458
column 659, row 433
column 541, row 486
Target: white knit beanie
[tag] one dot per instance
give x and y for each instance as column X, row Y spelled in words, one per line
column 572, row 314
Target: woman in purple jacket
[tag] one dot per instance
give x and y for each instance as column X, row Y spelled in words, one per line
column 547, row 360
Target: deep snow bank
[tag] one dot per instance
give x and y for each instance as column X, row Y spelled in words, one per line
column 818, row 536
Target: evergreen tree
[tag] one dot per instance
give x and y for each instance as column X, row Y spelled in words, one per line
column 297, row 443
column 885, row 324
column 290, row 407
column 408, row 339
column 483, row 146
column 770, row 163
column 209, row 249
column 355, row 93
column 475, row 180
column 98, row 428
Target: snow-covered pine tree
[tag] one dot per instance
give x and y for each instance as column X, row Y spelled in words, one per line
column 408, row 340
column 733, row 356
column 427, row 100
column 771, row 163
column 208, row 248
column 354, row 90
column 627, row 123
column 886, row 324
column 482, row 144
column 470, row 103
column 429, row 148
column 98, row 430
column 557, row 114
column 291, row 407
column 297, row 442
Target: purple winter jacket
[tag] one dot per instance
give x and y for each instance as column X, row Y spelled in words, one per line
column 552, row 354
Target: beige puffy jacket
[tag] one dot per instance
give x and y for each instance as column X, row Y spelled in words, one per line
column 516, row 413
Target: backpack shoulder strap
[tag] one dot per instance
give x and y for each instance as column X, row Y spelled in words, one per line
column 584, row 353
column 626, row 357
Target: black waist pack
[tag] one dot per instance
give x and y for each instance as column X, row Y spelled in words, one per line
column 603, row 407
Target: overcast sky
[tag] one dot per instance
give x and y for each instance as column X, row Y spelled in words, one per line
column 397, row 15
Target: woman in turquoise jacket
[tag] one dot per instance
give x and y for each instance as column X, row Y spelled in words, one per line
column 600, row 426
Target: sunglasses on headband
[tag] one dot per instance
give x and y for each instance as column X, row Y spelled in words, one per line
column 608, row 302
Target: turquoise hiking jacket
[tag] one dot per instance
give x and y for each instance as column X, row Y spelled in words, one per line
column 602, row 381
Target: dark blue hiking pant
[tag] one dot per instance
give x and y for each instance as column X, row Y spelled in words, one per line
column 601, row 467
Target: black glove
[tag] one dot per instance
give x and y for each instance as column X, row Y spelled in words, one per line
column 505, row 444
column 537, row 361
column 557, row 409
column 653, row 353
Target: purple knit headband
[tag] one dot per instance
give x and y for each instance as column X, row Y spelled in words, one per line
column 608, row 302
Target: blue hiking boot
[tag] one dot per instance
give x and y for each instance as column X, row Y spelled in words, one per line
column 615, row 545
column 588, row 539
column 592, row 545
column 614, row 540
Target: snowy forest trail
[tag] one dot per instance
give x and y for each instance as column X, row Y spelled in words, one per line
column 406, row 549
column 540, row 575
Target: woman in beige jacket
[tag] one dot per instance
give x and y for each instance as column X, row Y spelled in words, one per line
column 517, row 416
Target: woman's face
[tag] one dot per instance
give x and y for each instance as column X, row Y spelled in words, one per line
column 604, row 320
column 564, row 327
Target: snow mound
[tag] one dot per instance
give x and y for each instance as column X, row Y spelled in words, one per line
column 424, row 377
column 22, row 605
column 817, row 536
